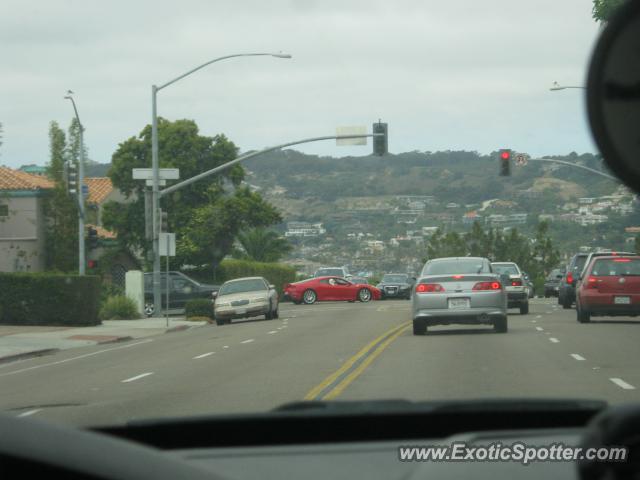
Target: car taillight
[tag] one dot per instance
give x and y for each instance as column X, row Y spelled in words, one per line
column 429, row 288
column 516, row 283
column 569, row 278
column 591, row 282
column 458, row 277
column 487, row 286
column 621, row 260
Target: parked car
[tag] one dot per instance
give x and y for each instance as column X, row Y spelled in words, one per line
column 610, row 286
column 552, row 283
column 244, row 298
column 514, row 284
column 331, row 288
column 396, row 285
column 461, row 290
column 332, row 272
column 567, row 287
column 181, row 290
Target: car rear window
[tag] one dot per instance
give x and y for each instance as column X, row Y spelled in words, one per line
column 242, row 286
column 505, row 269
column 608, row 267
column 395, row 278
column 462, row 265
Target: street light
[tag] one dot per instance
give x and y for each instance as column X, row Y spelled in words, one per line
column 556, row 86
column 155, row 164
column 79, row 190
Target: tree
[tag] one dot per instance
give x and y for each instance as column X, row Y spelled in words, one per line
column 60, row 209
column 543, row 250
column 262, row 245
column 604, row 9
column 205, row 218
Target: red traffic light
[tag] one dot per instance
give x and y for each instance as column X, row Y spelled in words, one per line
column 505, row 155
column 92, row 264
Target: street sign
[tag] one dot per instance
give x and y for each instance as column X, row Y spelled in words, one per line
column 344, row 131
column 521, row 159
column 168, row 244
column 147, row 173
column 162, row 182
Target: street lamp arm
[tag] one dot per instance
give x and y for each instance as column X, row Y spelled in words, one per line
column 231, row 163
column 193, row 70
column 593, row 170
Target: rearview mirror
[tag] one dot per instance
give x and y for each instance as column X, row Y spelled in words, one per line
column 613, row 94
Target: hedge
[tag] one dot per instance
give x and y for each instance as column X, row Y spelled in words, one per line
column 199, row 307
column 119, row 307
column 276, row 273
column 49, row 299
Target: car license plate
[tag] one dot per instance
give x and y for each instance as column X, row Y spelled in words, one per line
column 456, row 303
column 241, row 311
column 622, row 300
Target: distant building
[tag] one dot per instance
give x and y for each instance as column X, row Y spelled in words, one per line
column 586, row 200
column 591, row 219
column 428, row 231
column 470, row 217
column 546, row 217
column 304, row 229
column 453, row 205
column 34, row 169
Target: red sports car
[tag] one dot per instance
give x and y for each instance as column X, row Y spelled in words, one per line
column 323, row 289
column 609, row 286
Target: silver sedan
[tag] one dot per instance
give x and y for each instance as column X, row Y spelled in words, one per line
column 462, row 290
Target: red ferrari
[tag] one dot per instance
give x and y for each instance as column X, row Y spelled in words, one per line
column 323, row 289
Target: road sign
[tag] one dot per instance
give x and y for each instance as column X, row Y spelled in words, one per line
column 344, row 131
column 521, row 159
column 168, row 244
column 162, row 182
column 147, row 173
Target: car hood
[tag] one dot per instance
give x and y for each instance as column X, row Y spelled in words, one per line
column 242, row 296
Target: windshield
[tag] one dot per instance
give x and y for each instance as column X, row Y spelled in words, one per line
column 455, row 266
column 286, row 140
column 242, row 286
column 508, row 269
column 395, row 278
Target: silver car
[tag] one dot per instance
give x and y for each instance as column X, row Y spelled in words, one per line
column 462, row 290
column 243, row 298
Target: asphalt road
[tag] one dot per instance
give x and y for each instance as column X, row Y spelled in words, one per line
column 327, row 351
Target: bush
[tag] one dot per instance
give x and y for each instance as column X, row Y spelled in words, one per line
column 49, row 299
column 119, row 307
column 276, row 273
column 199, row 307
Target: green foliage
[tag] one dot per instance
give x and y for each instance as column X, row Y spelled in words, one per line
column 262, row 245
column 60, row 209
column 49, row 299
column 604, row 9
column 205, row 218
column 119, row 307
column 275, row 273
column 199, row 307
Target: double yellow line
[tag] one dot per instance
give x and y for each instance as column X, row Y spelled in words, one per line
column 334, row 384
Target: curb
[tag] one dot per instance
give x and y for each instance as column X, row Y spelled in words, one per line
column 31, row 354
column 116, row 340
column 179, row 328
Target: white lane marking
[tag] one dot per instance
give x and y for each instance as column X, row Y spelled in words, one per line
column 578, row 357
column 226, row 346
column 284, row 326
column 137, row 377
column 280, row 328
column 203, row 355
column 538, row 316
column 533, row 321
column 622, row 384
column 554, row 340
column 74, row 358
column 272, row 332
column 540, row 329
column 247, row 341
column 29, row 412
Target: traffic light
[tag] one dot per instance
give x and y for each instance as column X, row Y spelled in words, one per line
column 92, row 238
column 164, row 221
column 70, row 174
column 505, row 162
column 380, row 142
column 92, row 264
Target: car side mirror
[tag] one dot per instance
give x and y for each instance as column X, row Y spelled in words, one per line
column 272, row 287
column 214, row 295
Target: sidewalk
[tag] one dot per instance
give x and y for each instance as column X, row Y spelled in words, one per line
column 17, row 342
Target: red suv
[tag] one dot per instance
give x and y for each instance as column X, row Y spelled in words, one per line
column 609, row 286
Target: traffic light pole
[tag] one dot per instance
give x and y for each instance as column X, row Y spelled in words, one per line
column 231, row 163
column 562, row 162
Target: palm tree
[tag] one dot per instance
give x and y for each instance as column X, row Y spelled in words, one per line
column 263, row 245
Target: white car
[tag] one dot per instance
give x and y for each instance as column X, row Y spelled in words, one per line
column 244, row 298
column 516, row 286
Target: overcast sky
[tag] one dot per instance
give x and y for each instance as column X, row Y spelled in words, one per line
column 466, row 74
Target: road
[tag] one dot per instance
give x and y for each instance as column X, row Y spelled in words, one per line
column 327, row 351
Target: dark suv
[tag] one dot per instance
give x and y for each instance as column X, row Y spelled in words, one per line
column 552, row 283
column 181, row 290
column 567, row 288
